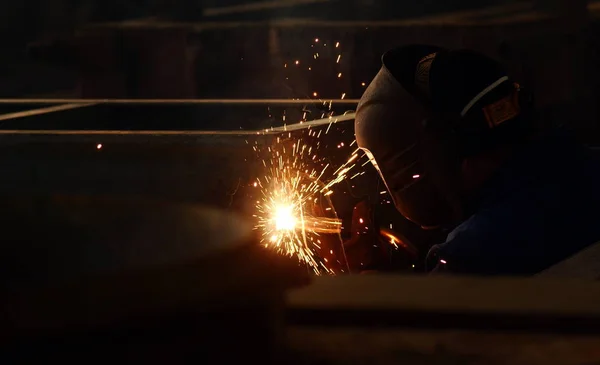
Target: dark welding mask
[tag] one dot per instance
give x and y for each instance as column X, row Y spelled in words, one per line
column 425, row 111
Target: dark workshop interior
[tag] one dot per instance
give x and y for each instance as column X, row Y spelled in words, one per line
column 252, row 180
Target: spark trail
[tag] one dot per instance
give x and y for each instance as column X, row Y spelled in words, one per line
column 294, row 212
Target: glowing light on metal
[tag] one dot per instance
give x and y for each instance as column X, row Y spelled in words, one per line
column 284, row 218
column 294, row 210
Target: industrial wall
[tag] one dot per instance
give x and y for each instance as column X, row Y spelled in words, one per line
column 550, row 46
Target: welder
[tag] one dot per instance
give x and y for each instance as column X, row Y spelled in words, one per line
column 460, row 147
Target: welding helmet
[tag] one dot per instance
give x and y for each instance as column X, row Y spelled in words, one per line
column 426, row 110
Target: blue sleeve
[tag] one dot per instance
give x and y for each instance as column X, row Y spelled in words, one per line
column 459, row 255
column 440, row 259
column 498, row 242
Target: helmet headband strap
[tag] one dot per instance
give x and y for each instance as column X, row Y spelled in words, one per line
column 483, row 93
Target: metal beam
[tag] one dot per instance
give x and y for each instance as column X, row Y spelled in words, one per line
column 180, row 101
column 274, row 130
column 485, row 16
column 41, row 111
column 517, row 304
column 257, row 6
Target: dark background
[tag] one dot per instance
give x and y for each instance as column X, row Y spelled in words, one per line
column 250, row 49
column 204, row 49
column 211, row 49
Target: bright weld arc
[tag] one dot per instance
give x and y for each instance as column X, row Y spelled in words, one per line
column 283, row 211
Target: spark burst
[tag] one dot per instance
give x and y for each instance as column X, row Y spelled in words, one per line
column 295, row 214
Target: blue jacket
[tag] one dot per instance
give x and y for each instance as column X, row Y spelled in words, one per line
column 540, row 208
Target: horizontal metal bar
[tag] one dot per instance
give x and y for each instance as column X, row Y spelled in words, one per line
column 445, row 320
column 41, row 111
column 274, row 130
column 486, row 16
column 313, row 123
column 181, row 101
column 261, row 5
column 123, row 133
column 523, row 304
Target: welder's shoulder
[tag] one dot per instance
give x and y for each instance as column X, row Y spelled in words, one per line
column 522, row 235
column 533, row 227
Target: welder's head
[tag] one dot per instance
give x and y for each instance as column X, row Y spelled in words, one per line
column 425, row 112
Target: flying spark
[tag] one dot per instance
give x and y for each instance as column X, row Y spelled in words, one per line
column 294, row 212
column 295, row 215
